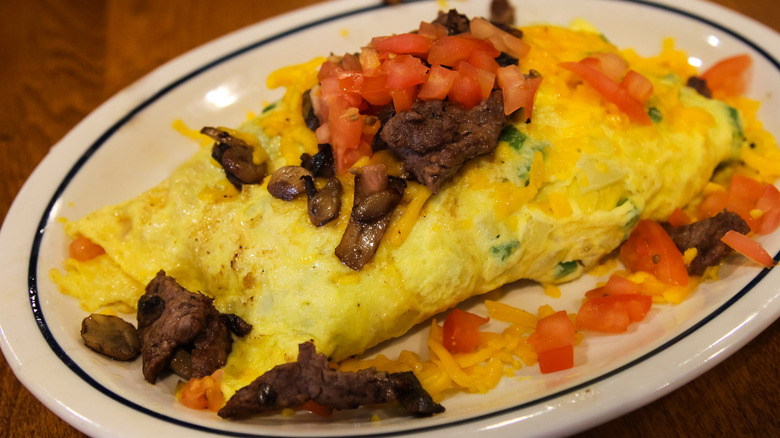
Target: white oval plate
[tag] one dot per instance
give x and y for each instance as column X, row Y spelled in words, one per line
column 127, row 146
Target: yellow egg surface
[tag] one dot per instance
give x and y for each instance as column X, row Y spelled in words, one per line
column 556, row 195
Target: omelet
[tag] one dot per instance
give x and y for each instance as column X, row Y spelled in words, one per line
column 555, row 196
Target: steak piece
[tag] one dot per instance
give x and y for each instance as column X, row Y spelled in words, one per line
column 310, row 378
column 454, row 22
column 171, row 317
column 435, row 138
column 705, row 235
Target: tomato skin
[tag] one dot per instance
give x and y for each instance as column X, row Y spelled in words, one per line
column 83, row 249
column 405, row 43
column 748, row 247
column 461, row 331
column 610, row 90
column 650, row 249
column 743, row 196
column 438, row 83
column 729, row 77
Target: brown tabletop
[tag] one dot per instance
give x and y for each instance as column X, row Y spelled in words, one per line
column 60, row 60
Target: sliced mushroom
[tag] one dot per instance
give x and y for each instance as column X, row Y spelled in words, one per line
column 361, row 237
column 236, row 157
column 324, row 204
column 111, row 335
column 286, row 182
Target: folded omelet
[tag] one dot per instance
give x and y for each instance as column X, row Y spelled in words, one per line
column 555, row 196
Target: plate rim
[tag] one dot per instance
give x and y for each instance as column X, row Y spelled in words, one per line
column 46, row 218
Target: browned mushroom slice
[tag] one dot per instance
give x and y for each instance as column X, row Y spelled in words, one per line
column 286, row 182
column 236, row 157
column 324, row 204
column 111, row 336
column 361, row 238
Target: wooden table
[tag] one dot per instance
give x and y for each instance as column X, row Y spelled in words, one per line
column 60, row 60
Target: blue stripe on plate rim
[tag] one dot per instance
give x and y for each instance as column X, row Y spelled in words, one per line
column 37, row 310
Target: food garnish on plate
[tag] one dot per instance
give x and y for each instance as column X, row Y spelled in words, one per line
column 389, row 185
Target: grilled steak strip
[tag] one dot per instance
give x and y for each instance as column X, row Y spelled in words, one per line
column 705, row 235
column 435, row 138
column 172, row 318
column 310, row 378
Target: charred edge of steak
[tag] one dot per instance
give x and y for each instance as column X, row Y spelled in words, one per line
column 700, row 85
column 368, row 222
column 236, row 158
column 171, row 318
column 320, row 164
column 434, row 139
column 310, row 378
column 705, row 235
column 454, row 21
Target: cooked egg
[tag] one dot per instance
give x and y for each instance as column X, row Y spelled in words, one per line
column 556, row 196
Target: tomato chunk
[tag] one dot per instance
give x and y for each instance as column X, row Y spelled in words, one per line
column 461, row 331
column 519, row 90
column 610, row 90
column 679, row 217
column 729, row 77
column 438, row 83
column 553, row 341
column 613, row 313
column 83, row 249
column 650, row 249
column 748, row 247
column 410, row 43
column 557, row 359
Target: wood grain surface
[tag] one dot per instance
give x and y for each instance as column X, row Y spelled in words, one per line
column 61, row 59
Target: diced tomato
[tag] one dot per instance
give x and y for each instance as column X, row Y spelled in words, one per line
column 744, row 193
column 729, row 77
column 748, row 247
column 346, row 128
column 438, row 83
column 450, row 50
column 679, row 217
column 501, row 40
column 374, row 90
column 203, row 393
column 650, row 249
column 519, row 91
column 460, row 333
column 482, row 60
column 83, row 249
column 348, row 157
column 638, row 86
column 404, row 71
column 611, row 91
column 769, row 204
column 613, row 313
column 466, row 90
column 713, row 204
column 609, row 63
column 553, row 331
column 485, row 79
column 403, row 99
column 351, row 63
column 557, row 359
column 409, row 43
column 327, row 68
column 432, row 31
column 616, row 285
